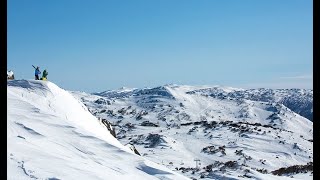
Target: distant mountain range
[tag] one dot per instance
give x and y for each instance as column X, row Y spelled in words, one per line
column 298, row 100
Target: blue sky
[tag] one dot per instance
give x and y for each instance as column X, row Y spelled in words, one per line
column 107, row 44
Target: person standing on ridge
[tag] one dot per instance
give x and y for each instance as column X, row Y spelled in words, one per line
column 36, row 72
column 44, row 75
column 10, row 75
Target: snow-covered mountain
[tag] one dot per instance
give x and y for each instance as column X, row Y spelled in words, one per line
column 232, row 133
column 298, row 100
column 51, row 135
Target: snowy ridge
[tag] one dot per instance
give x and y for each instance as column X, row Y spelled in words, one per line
column 235, row 133
column 52, row 135
column 298, row 100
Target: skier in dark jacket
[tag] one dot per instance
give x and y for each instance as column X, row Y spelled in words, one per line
column 44, row 75
column 36, row 72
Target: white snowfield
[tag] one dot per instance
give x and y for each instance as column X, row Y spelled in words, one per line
column 234, row 134
column 51, row 135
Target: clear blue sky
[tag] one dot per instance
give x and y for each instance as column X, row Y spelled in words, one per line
column 106, row 44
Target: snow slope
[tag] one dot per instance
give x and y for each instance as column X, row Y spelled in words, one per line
column 235, row 133
column 52, row 135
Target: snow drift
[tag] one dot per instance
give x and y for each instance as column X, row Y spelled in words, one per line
column 52, row 135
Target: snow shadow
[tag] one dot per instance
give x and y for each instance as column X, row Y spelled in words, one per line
column 150, row 170
column 31, row 131
column 27, row 84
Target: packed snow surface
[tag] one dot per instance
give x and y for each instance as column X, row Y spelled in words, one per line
column 52, row 135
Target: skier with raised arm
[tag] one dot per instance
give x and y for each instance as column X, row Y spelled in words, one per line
column 36, row 72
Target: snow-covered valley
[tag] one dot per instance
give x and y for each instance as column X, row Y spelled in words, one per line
column 231, row 133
